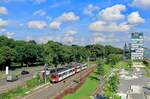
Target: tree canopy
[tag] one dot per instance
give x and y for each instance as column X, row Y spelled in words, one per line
column 52, row 53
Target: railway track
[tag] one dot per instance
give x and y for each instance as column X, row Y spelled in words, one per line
column 51, row 90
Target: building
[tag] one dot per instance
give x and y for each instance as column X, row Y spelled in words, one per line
column 137, row 46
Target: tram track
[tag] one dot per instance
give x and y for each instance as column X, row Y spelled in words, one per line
column 51, row 90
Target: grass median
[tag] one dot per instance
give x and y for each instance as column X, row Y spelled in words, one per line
column 86, row 89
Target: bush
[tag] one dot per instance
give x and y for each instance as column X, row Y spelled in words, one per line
column 36, row 81
column 112, row 87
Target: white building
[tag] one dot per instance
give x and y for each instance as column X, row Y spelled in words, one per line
column 137, row 46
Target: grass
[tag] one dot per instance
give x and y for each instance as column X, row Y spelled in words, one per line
column 124, row 64
column 86, row 89
column 21, row 90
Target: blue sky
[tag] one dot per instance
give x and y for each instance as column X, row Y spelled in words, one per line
column 75, row 21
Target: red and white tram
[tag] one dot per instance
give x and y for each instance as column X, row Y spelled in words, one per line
column 67, row 71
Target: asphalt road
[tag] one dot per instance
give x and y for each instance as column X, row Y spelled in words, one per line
column 6, row 86
column 49, row 91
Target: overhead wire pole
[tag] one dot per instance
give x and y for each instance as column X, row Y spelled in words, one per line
column 45, row 72
column 88, row 62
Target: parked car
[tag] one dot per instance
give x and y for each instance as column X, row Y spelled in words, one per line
column 11, row 78
column 24, row 72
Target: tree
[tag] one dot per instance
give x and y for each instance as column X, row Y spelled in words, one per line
column 4, row 41
column 48, row 55
column 113, row 83
column 113, row 59
column 112, row 87
column 102, row 68
column 112, row 50
column 52, row 53
column 79, row 54
column 28, row 53
column 7, row 55
column 32, row 42
column 96, row 50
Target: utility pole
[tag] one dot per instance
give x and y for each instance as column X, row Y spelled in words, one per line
column 88, row 62
column 45, row 67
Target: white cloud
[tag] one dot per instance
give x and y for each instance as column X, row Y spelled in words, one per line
column 141, row 3
column 112, row 20
column 28, row 38
column 3, row 23
column 101, row 26
column 2, row 30
column 3, row 10
column 9, row 34
column 99, row 38
column 40, row 12
column 65, row 17
column 68, row 39
column 134, row 18
column 55, row 25
column 68, row 17
column 37, row 24
column 70, row 33
column 112, row 13
column 124, row 27
column 90, row 9
column 39, row 1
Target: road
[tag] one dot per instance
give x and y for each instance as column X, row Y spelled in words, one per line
column 125, row 84
column 137, row 79
column 6, row 86
column 51, row 90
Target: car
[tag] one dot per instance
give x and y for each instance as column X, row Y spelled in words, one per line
column 24, row 72
column 11, row 78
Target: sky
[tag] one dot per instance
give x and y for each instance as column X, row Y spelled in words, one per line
column 79, row 22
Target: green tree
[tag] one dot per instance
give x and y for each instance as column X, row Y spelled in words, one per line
column 28, row 53
column 4, row 41
column 112, row 50
column 97, row 51
column 113, row 59
column 7, row 55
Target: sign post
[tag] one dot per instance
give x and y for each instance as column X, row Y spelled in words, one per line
column 7, row 70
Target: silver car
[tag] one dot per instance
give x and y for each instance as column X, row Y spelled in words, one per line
column 11, row 78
